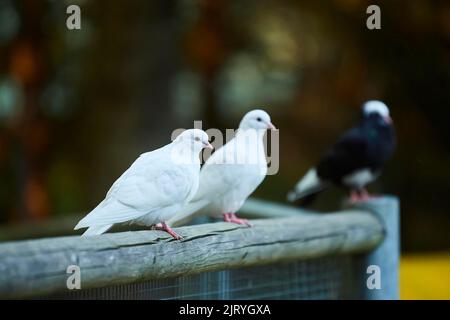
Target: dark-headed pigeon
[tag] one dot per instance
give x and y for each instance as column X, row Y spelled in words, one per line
column 356, row 159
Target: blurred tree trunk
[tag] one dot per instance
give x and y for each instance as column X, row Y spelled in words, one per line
column 27, row 67
column 206, row 50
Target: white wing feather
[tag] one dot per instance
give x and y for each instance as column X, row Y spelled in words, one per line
column 145, row 187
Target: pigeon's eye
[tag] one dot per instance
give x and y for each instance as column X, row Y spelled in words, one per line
column 197, row 139
column 258, row 119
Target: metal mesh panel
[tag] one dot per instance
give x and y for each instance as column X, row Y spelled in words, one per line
column 324, row 278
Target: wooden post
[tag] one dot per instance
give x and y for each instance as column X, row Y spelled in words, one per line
column 386, row 257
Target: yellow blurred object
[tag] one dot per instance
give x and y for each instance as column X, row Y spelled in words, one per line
column 425, row 276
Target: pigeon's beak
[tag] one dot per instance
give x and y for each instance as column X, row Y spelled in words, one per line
column 270, row 126
column 388, row 120
column 207, row 145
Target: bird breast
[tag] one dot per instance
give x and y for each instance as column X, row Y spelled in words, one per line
column 359, row 178
column 180, row 182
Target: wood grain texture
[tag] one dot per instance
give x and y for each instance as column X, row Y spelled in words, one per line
column 38, row 267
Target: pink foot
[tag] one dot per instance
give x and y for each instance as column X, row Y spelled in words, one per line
column 164, row 227
column 231, row 217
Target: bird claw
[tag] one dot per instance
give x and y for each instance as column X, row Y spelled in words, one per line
column 175, row 235
column 164, row 227
column 232, row 218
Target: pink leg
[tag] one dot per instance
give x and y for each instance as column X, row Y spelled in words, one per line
column 365, row 195
column 164, row 227
column 360, row 195
column 231, row 217
column 354, row 196
column 158, row 226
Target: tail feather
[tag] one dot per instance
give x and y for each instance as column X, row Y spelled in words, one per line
column 309, row 185
column 96, row 230
column 109, row 212
column 82, row 223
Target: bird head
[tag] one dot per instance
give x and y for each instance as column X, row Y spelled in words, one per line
column 256, row 119
column 378, row 111
column 195, row 137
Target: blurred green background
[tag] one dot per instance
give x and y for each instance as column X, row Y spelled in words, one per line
column 77, row 107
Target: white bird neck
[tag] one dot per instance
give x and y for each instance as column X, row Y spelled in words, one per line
column 250, row 142
column 250, row 132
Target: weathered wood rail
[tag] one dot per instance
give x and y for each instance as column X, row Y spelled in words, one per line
column 38, row 267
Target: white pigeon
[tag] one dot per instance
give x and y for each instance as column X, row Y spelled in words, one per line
column 232, row 173
column 154, row 188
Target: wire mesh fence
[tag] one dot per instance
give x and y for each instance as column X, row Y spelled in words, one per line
column 330, row 277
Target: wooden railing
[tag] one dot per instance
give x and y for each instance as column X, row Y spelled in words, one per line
column 39, row 267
